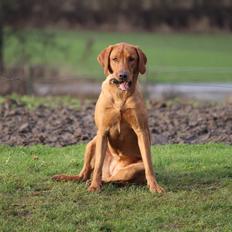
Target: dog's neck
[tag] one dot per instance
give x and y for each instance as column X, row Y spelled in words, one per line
column 116, row 96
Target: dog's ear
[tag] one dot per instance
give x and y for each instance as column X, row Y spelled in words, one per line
column 104, row 59
column 142, row 61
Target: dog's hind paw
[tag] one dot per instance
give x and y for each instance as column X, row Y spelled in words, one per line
column 59, row 177
column 66, row 178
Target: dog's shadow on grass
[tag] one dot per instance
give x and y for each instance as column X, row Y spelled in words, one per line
column 111, row 187
column 210, row 179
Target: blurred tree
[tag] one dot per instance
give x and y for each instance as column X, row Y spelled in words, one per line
column 7, row 7
column 16, row 15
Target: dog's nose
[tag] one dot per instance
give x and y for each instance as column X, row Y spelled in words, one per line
column 123, row 76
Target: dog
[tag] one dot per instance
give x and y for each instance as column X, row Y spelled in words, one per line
column 120, row 152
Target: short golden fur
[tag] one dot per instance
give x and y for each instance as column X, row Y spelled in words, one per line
column 120, row 152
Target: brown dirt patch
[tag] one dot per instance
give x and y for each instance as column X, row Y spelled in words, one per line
column 61, row 126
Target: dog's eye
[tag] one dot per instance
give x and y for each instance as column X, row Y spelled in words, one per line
column 115, row 59
column 131, row 59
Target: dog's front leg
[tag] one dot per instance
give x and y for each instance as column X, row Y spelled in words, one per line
column 144, row 146
column 101, row 146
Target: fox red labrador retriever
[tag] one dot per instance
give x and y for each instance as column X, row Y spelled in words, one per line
column 120, row 152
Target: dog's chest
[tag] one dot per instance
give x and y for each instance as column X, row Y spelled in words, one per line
column 120, row 128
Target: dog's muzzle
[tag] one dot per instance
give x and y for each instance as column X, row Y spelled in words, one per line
column 123, row 85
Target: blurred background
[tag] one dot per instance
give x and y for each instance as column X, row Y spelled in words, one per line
column 50, row 47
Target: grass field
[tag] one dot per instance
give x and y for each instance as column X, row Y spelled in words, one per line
column 31, row 102
column 171, row 57
column 197, row 179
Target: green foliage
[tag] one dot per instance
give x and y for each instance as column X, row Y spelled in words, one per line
column 197, row 179
column 171, row 57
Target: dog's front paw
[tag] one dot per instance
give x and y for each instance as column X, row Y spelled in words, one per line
column 94, row 187
column 155, row 188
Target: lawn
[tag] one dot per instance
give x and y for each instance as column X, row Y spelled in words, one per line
column 197, row 179
column 31, row 102
column 171, row 57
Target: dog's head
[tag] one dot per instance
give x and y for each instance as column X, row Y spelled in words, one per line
column 125, row 61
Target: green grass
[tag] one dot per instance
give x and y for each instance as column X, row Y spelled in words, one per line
column 197, row 179
column 171, row 57
column 32, row 102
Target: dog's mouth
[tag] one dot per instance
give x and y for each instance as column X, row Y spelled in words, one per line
column 123, row 85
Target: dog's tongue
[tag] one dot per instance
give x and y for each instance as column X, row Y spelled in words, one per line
column 124, row 86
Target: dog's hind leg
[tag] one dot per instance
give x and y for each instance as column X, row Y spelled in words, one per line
column 132, row 173
column 88, row 166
